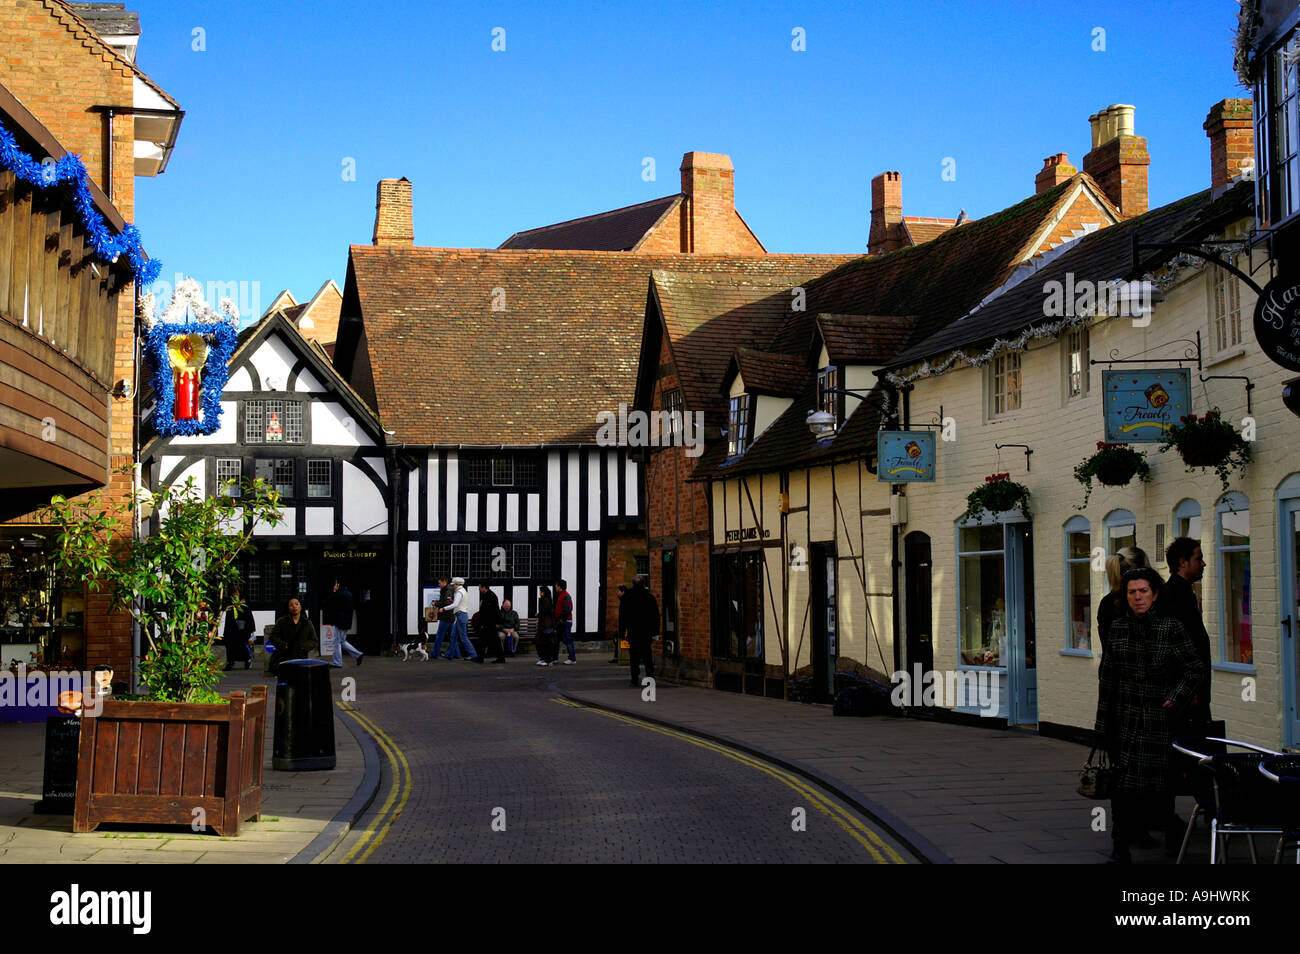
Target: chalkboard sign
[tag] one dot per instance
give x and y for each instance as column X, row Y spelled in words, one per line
column 62, row 741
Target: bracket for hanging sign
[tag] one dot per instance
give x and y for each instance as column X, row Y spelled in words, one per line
column 1027, row 448
column 1196, row 249
column 1190, row 355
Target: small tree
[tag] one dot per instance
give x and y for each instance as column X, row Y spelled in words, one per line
column 164, row 579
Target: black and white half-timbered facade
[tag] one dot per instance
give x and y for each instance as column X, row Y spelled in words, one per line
column 289, row 418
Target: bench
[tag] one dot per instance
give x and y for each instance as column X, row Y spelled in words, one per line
column 527, row 635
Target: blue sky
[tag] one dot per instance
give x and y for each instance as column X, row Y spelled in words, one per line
column 558, row 124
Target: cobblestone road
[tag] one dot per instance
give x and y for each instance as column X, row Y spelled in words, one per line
column 478, row 748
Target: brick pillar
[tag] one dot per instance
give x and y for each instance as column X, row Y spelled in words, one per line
column 886, row 213
column 1232, row 142
column 393, row 215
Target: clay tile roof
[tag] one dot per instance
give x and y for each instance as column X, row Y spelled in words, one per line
column 864, row 339
column 1104, row 255
column 920, row 230
column 616, row 231
column 294, row 312
column 448, row 370
column 767, row 373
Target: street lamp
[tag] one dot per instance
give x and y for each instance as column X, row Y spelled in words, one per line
column 823, row 423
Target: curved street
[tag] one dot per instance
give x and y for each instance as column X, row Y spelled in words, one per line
column 487, row 763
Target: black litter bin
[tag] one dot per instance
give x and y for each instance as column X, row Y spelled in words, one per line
column 304, row 716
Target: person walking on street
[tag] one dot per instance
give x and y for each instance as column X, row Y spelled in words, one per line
column 641, row 611
column 459, row 609
column 564, row 619
column 294, row 635
column 622, row 623
column 1113, row 603
column 238, row 633
column 1187, row 566
column 339, row 610
column 445, row 619
column 509, row 627
column 1150, row 671
column 547, row 644
column 489, row 618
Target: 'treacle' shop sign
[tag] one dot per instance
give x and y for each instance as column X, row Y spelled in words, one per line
column 1277, row 321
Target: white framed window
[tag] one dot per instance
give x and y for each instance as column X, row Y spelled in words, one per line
column 1187, row 519
column 1225, row 309
column 1277, row 136
column 828, row 379
column 320, row 478
column 982, row 585
column 229, row 469
column 1004, row 384
column 738, row 425
column 1075, row 362
column 1235, row 641
column 1121, row 531
column 1078, row 584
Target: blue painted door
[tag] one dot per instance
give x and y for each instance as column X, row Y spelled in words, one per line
column 1022, row 656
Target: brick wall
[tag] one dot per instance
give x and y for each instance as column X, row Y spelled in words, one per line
column 59, row 71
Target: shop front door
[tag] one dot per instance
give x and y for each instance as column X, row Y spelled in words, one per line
column 1289, row 532
column 1022, row 666
column 918, row 604
column 824, row 621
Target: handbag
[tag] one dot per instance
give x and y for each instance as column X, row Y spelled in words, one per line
column 1097, row 776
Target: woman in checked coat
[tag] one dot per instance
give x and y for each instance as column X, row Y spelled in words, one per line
column 1149, row 673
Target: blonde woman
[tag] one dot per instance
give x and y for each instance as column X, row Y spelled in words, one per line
column 1114, row 603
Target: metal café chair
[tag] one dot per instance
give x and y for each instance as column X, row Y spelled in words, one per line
column 1225, row 788
column 1284, row 771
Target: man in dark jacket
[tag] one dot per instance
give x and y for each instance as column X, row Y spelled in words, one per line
column 489, row 616
column 1187, row 566
column 622, row 622
column 294, row 636
column 339, row 610
column 640, row 612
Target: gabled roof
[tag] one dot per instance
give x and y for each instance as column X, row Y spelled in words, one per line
column 446, row 369
column 317, row 361
column 864, row 339
column 765, row 373
column 619, row 230
column 918, row 229
column 83, row 31
column 1104, row 255
column 281, row 302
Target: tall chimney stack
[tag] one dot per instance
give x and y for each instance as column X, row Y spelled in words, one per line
column 393, row 222
column 1119, row 159
column 1056, row 169
column 886, row 213
column 709, row 184
column 1232, row 143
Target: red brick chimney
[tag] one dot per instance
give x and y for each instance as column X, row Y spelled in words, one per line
column 1119, row 159
column 1232, row 141
column 709, row 184
column 393, row 222
column 1056, row 169
column 886, row 213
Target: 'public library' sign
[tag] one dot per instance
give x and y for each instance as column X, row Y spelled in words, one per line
column 1277, row 321
column 1140, row 406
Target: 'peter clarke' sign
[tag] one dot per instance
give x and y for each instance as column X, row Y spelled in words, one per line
column 1277, row 322
column 904, row 456
column 1140, row 406
column 749, row 533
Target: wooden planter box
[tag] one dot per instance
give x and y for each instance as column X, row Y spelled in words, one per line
column 153, row 763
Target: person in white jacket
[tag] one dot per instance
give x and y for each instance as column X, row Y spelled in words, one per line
column 459, row 628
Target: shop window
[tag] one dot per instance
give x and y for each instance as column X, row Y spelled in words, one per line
column 229, row 473
column 1004, row 384
column 1078, row 575
column 738, row 607
column 1121, row 531
column 1187, row 519
column 1236, row 645
column 982, row 580
column 42, row 615
column 320, row 478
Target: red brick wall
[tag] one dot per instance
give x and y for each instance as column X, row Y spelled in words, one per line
column 1120, row 168
column 677, row 515
column 1231, row 140
column 58, row 70
column 621, row 551
column 1082, row 212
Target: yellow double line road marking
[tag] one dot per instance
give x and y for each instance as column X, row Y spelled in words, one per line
column 880, row 851
column 400, row 788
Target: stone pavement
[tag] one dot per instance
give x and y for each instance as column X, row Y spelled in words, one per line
column 297, row 807
column 954, row 793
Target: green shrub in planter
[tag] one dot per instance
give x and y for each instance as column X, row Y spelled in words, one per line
column 1114, row 465
column 1208, row 441
column 996, row 494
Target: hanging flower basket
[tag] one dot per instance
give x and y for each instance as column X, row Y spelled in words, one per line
column 1114, row 465
column 1208, row 442
column 997, row 494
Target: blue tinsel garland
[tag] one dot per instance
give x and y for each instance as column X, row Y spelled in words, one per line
column 216, row 369
column 70, row 169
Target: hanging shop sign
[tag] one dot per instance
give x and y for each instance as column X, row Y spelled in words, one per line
column 1141, row 406
column 1277, row 321
column 905, row 456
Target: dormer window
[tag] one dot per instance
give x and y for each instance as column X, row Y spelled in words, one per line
column 738, row 425
column 828, row 382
